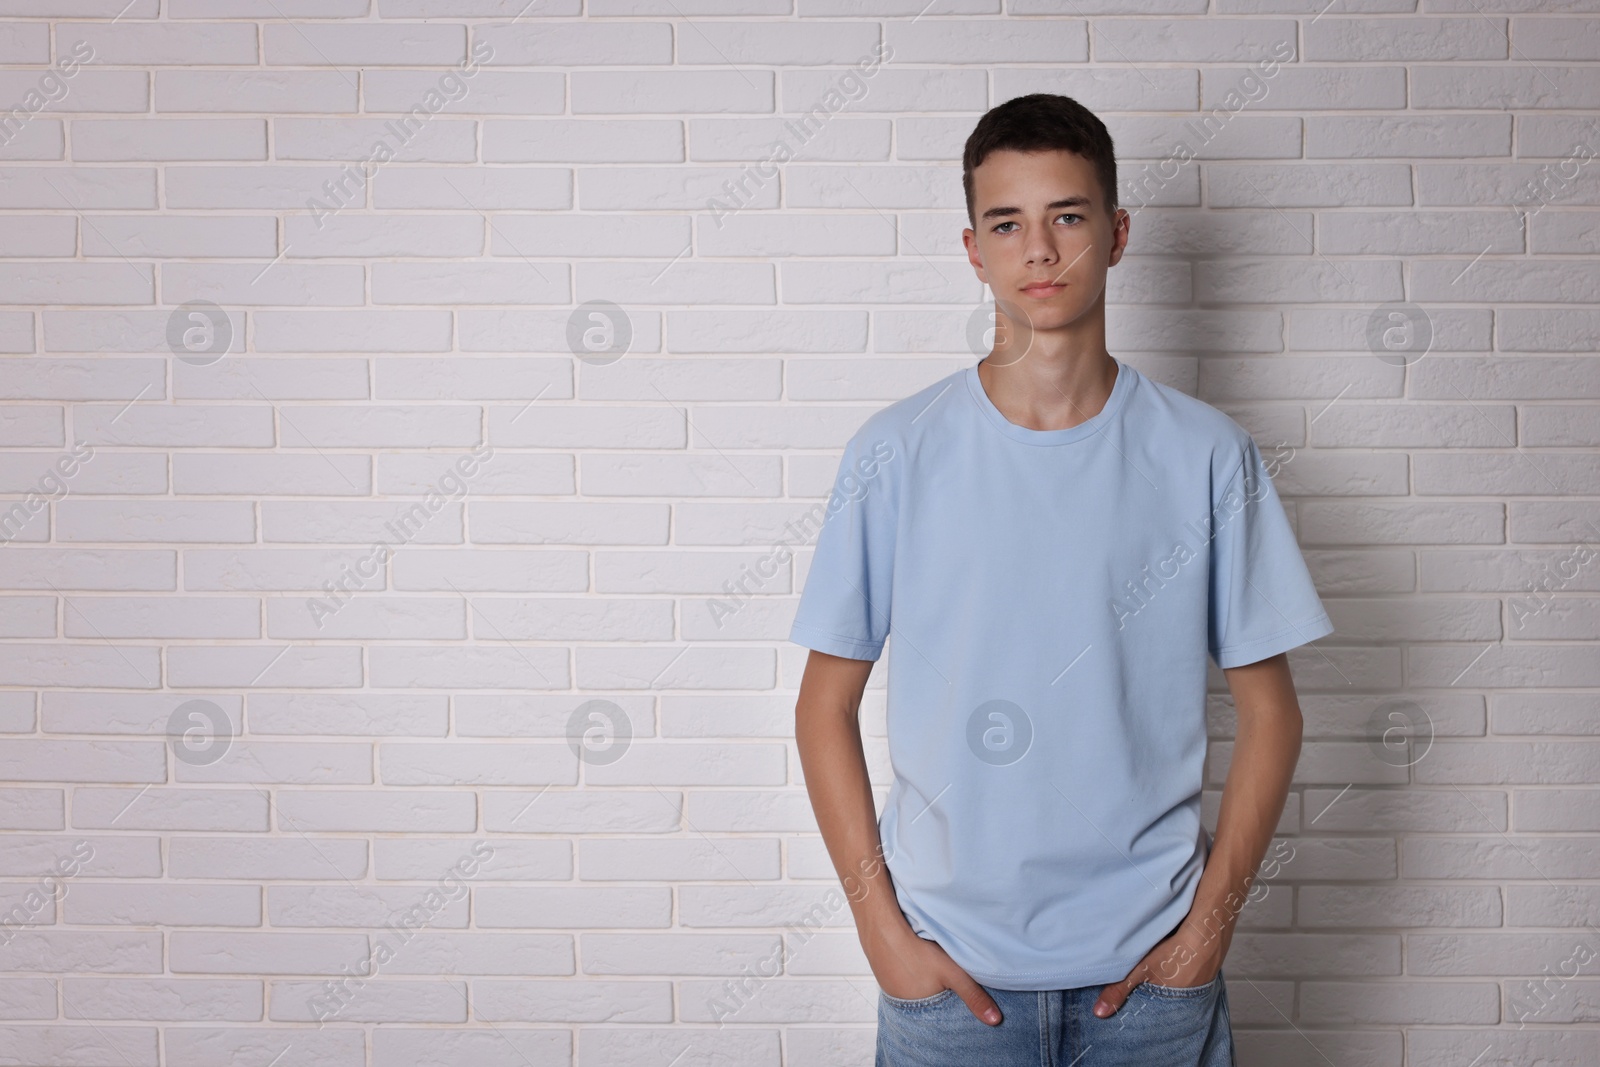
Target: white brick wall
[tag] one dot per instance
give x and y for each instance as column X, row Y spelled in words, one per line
column 220, row 799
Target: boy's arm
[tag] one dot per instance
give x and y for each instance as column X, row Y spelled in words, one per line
column 1265, row 751
column 828, row 733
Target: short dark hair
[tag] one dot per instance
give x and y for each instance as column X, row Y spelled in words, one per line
column 1042, row 122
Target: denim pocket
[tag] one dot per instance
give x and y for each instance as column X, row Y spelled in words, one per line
column 920, row 1002
column 1154, row 990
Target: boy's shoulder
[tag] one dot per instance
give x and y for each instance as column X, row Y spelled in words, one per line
column 1191, row 420
column 900, row 420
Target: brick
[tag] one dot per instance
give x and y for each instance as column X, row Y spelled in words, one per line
column 173, row 617
column 251, row 665
column 215, row 810
column 174, row 425
column 572, row 1001
column 577, row 44
column 670, row 92
column 352, row 714
column 71, row 568
column 1415, row 39
column 205, row 952
column 311, row 45
column 1520, row 87
column 435, row 764
column 195, row 1046
column 134, row 1045
column 377, row 1002
column 491, row 92
column 221, row 43
column 162, row 999
column 111, row 665
column 473, row 667
column 420, row 858
column 260, row 859
column 278, row 92
column 83, row 187
column 415, row 1047
column 94, row 951
column 162, row 905
column 1103, row 88
column 32, row 809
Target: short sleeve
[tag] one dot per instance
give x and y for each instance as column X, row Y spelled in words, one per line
column 844, row 608
column 1262, row 599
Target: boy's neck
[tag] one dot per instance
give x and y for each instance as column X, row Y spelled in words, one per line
column 1049, row 381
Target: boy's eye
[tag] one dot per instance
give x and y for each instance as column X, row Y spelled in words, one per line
column 1065, row 215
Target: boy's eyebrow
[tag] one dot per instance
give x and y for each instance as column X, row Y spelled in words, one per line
column 1071, row 201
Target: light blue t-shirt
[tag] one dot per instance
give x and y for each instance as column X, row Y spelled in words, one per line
column 1053, row 596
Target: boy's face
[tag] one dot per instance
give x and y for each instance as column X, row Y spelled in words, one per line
column 1044, row 239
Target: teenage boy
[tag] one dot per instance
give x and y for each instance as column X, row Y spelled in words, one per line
column 1057, row 544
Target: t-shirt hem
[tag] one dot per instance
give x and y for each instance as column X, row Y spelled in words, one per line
column 835, row 645
column 1027, row 981
column 1282, row 641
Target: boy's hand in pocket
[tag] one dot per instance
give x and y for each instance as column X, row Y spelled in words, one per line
column 909, row 967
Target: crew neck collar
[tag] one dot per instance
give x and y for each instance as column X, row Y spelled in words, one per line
column 1120, row 389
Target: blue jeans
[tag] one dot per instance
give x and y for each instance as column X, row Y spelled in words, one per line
column 1158, row 1026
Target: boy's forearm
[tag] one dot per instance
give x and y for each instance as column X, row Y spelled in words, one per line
column 1264, row 756
column 831, row 753
column 1265, row 751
